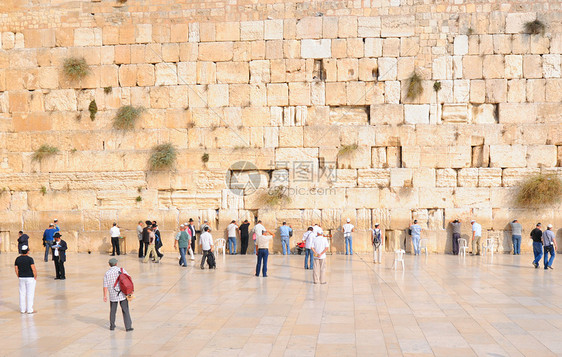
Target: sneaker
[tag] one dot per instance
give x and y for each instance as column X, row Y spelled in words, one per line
column 550, row 268
column 129, row 329
column 536, row 265
column 32, row 312
column 112, row 328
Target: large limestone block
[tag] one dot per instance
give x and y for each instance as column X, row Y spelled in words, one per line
column 62, row 200
column 489, row 177
column 515, row 22
column 554, row 90
column 541, row 155
column 227, row 31
column 505, row 156
column 291, row 136
column 61, row 100
column 291, row 155
column 460, row 45
column 373, row 178
column 532, row 66
column 363, row 198
column 309, row 27
column 251, row 30
column 166, row 74
column 385, row 114
column 472, row 67
column 416, row 113
column 468, row 177
column 215, row 51
column 259, row 71
column 401, row 177
column 516, row 90
column 360, row 159
column 347, row 26
column 517, row 113
column 316, row 48
column 471, row 197
column 399, row 197
column 233, row 72
column 368, row 26
column 551, row 66
column 454, row 113
column 373, row 47
column 424, row 177
column 388, row 68
column 87, row 37
column 496, row 90
column 513, row 66
column 397, row 26
column 436, row 197
column 97, row 180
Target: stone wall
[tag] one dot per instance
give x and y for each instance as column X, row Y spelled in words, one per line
column 313, row 96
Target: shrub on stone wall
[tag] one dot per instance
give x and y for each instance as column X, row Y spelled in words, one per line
column 275, row 196
column 44, row 151
column 93, row 109
column 415, row 86
column 126, row 117
column 75, row 68
column 348, row 150
column 163, row 157
column 536, row 27
column 539, row 190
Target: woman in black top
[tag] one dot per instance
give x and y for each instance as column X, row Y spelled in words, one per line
column 244, row 235
column 27, row 274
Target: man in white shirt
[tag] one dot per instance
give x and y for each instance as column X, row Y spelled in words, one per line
column 308, row 238
column 206, row 242
column 348, row 228
column 115, row 233
column 319, row 248
column 476, row 237
column 262, row 248
column 231, row 229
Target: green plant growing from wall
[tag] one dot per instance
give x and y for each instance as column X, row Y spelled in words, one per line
column 138, row 199
column 348, row 150
column 535, row 27
column 43, row 190
column 93, row 109
column 276, row 196
column 205, row 158
column 539, row 190
column 44, row 151
column 126, row 117
column 75, row 68
column 437, row 86
column 415, row 86
column 163, row 157
column 108, row 90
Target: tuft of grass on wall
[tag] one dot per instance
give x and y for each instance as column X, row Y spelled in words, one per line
column 107, row 90
column 44, row 151
column 93, row 109
column 535, row 27
column 43, row 190
column 75, row 68
column 163, row 157
column 539, row 190
column 276, row 196
column 126, row 117
column 348, row 150
column 437, row 86
column 138, row 199
column 415, row 86
column 205, row 158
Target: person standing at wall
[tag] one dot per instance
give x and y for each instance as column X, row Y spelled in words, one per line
column 182, row 241
column 319, row 248
column 231, row 230
column 308, row 239
column 262, row 248
column 59, row 256
column 157, row 240
column 23, row 239
column 115, row 233
column 27, row 275
column 536, row 236
column 151, row 247
column 244, row 236
column 549, row 245
column 192, row 232
column 285, row 232
column 115, row 296
column 516, row 230
column 145, row 238
column 348, row 229
column 139, row 236
column 48, row 238
column 416, row 230
column 377, row 244
column 476, row 237
column 456, row 227
column 206, row 241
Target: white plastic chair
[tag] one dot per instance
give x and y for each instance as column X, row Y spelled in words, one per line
column 398, row 258
column 423, row 246
column 489, row 246
column 220, row 243
column 463, row 247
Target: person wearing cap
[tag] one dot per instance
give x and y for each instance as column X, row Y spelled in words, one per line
column 456, row 227
column 48, row 238
column 348, row 229
column 476, row 237
column 549, row 246
column 23, row 239
column 59, row 256
column 416, row 230
column 285, row 232
column 139, row 236
column 115, row 233
column 192, row 232
column 115, row 297
column 319, row 249
column 308, row 239
column 206, row 241
column 244, row 229
column 516, row 229
column 262, row 248
column 151, row 247
column 27, row 275
column 145, row 239
column 377, row 243
column 231, row 231
column 536, row 236
column 182, row 241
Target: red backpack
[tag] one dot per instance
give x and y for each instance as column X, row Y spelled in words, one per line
column 125, row 283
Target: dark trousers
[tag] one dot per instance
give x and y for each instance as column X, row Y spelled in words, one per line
column 115, row 245
column 205, row 254
column 456, row 237
column 243, row 244
column 48, row 245
column 193, row 245
column 262, row 256
column 141, row 249
column 124, row 308
column 59, row 268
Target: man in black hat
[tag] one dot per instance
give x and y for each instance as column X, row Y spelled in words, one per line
column 23, row 239
column 145, row 239
column 59, row 256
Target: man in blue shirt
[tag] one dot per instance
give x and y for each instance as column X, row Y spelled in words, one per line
column 48, row 238
column 285, row 232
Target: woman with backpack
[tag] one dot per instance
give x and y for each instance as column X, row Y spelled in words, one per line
column 377, row 243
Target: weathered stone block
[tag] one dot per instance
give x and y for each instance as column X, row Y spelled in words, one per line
column 517, row 113
column 60, row 100
column 551, row 66
column 401, row 177
column 513, row 66
column 532, row 66
column 489, row 177
column 472, row 67
column 251, row 30
column 493, row 66
column 496, row 90
column 309, row 27
column 316, row 48
column 542, row 155
column 387, row 68
column 460, row 45
column 384, row 114
column 446, row 178
column 233, row 72
column 468, row 177
column 373, row 177
column 215, row 51
column 397, row 26
column 505, row 156
column 416, row 114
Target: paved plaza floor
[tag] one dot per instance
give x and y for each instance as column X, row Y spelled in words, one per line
column 440, row 305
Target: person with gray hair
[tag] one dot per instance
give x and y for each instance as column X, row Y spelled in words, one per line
column 115, row 295
column 516, row 236
column 549, row 246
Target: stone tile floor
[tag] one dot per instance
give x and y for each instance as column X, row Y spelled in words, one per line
column 441, row 305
